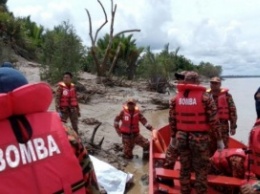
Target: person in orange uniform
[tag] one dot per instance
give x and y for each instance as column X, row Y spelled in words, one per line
column 129, row 130
column 192, row 115
column 227, row 112
column 66, row 101
column 37, row 156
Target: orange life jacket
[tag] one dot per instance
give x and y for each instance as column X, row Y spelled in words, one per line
column 130, row 122
column 254, row 145
column 220, row 158
column 68, row 96
column 222, row 104
column 44, row 161
column 191, row 114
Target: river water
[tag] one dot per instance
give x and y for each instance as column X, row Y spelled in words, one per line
column 242, row 90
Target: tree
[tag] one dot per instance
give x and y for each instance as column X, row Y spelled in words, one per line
column 62, row 51
column 101, row 65
column 3, row 6
column 209, row 70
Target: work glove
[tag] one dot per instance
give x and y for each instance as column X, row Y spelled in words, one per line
column 220, row 145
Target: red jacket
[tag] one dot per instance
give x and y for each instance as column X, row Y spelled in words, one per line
column 221, row 159
column 35, row 154
column 68, row 95
column 222, row 104
column 254, row 145
column 130, row 122
column 191, row 114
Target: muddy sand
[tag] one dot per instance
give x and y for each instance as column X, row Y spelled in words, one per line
column 100, row 105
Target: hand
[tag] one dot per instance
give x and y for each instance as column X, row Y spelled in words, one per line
column 149, row 127
column 119, row 133
column 232, row 131
column 79, row 115
column 220, row 145
column 60, row 114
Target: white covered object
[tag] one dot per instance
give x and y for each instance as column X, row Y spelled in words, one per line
column 113, row 180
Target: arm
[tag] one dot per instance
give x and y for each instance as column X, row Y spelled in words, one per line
column 144, row 121
column 58, row 94
column 211, row 112
column 78, row 109
column 172, row 118
column 232, row 112
column 85, row 162
column 117, row 121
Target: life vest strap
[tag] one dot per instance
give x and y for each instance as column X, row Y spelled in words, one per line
column 74, row 187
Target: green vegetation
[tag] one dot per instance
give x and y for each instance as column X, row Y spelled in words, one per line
column 60, row 49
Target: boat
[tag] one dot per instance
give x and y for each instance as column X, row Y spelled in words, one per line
column 161, row 137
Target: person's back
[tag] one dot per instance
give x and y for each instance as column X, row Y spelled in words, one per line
column 192, row 114
column 36, row 156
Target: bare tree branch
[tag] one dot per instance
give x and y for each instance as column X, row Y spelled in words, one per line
column 127, row 31
column 113, row 11
column 115, row 59
column 90, row 28
column 104, row 11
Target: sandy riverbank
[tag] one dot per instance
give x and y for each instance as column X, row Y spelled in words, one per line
column 103, row 105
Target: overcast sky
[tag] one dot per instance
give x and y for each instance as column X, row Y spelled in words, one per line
column 223, row 32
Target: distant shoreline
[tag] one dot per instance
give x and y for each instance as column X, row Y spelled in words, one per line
column 240, row 76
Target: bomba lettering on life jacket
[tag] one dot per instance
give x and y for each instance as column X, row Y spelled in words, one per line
column 36, row 149
column 187, row 101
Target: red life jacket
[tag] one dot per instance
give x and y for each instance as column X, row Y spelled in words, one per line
column 222, row 104
column 220, row 159
column 191, row 114
column 130, row 122
column 68, row 96
column 45, row 162
column 254, row 145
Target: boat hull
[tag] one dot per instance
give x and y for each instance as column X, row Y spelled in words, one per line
column 156, row 172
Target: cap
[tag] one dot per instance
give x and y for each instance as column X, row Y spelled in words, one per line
column 215, row 79
column 180, row 76
column 7, row 64
column 191, row 76
column 10, row 79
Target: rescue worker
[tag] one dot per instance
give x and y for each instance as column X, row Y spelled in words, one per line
column 232, row 162
column 235, row 163
column 227, row 112
column 254, row 147
column 192, row 114
column 257, row 102
column 172, row 153
column 66, row 100
column 36, row 154
column 129, row 130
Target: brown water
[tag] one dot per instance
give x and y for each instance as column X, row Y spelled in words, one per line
column 138, row 167
column 242, row 90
